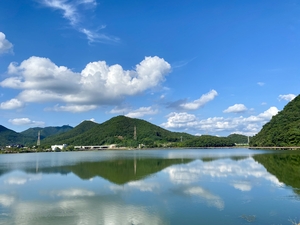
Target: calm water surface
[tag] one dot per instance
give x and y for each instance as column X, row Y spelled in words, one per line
column 216, row 186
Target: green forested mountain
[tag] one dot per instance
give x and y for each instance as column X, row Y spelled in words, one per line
column 9, row 137
column 71, row 134
column 208, row 141
column 238, row 138
column 45, row 132
column 119, row 130
column 283, row 130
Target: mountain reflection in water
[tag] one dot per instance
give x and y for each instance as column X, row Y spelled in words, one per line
column 285, row 166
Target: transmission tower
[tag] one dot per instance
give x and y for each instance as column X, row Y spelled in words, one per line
column 134, row 133
column 39, row 139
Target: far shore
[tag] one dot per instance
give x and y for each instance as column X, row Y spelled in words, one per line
column 129, row 149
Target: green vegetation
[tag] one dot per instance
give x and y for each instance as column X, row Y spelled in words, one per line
column 238, row 139
column 123, row 171
column 208, row 141
column 45, row 132
column 285, row 166
column 28, row 137
column 119, row 130
column 9, row 137
column 283, row 130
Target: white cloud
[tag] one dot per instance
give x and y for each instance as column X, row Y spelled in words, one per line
column 211, row 199
column 205, row 98
column 242, row 125
column 144, row 186
column 5, row 45
column 40, row 80
column 25, row 121
column 11, row 104
column 73, row 192
column 93, row 120
column 234, row 172
column 73, row 108
column 261, row 83
column 6, row 200
column 288, row 97
column 242, row 185
column 236, row 108
column 141, row 112
column 180, row 120
column 22, row 179
column 93, row 36
column 71, row 12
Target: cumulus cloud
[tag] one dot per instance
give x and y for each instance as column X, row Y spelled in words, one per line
column 180, row 120
column 40, row 80
column 243, row 125
column 236, row 108
column 196, row 104
column 72, row 11
column 141, row 112
column 11, row 104
column 234, row 172
column 5, row 45
column 25, row 121
column 288, row 97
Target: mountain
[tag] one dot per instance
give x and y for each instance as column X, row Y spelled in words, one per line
column 238, row 138
column 208, row 141
column 9, row 137
column 283, row 129
column 71, row 134
column 118, row 130
column 45, row 132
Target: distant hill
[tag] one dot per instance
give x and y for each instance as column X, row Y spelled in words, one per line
column 45, row 132
column 118, row 130
column 63, row 138
column 208, row 141
column 238, row 138
column 283, row 130
column 9, row 137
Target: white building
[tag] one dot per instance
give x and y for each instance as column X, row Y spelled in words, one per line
column 61, row 147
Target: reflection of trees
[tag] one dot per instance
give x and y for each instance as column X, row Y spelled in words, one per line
column 123, row 170
column 285, row 166
column 118, row 171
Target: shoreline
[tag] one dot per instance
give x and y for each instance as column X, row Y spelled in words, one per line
column 288, row 148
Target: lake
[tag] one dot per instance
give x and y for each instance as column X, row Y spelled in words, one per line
column 167, row 186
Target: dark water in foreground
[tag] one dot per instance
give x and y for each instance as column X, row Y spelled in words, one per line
column 216, row 186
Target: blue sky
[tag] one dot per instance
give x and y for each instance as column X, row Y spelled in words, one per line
column 202, row 67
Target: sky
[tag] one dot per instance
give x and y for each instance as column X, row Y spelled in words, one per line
column 202, row 67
